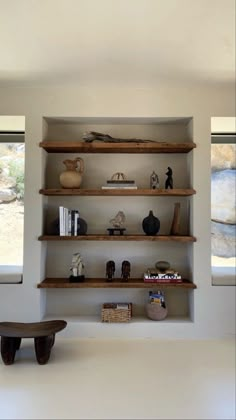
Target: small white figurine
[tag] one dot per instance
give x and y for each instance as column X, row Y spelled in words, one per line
column 119, row 220
column 154, row 181
column 118, row 176
column 77, row 265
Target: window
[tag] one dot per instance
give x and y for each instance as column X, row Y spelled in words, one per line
column 223, row 200
column 12, row 164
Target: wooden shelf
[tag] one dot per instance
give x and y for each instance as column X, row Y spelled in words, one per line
column 181, row 192
column 128, row 147
column 92, row 322
column 100, row 237
column 64, row 283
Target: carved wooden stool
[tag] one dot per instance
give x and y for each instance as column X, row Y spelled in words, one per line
column 43, row 333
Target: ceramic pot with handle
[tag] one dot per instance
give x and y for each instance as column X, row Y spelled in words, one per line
column 72, row 176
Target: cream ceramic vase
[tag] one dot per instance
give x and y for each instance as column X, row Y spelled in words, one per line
column 72, row 176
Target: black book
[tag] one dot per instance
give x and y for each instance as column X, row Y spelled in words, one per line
column 120, row 181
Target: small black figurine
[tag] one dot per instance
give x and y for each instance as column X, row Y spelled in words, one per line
column 125, row 270
column 110, row 270
column 169, row 181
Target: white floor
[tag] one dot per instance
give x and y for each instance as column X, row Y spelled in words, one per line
column 129, row 379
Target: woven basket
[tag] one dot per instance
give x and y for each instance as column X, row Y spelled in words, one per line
column 156, row 312
column 110, row 313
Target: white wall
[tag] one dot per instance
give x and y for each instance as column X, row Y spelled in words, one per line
column 214, row 308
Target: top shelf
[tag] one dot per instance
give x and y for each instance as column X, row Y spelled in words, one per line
column 128, row 147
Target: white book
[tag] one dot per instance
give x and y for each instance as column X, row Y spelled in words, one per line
column 76, row 221
column 108, row 187
column 61, row 221
column 66, row 219
column 69, row 223
column 118, row 185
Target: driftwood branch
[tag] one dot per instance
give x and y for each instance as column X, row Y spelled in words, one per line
column 91, row 136
column 222, row 222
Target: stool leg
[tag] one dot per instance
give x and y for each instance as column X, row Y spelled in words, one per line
column 43, row 347
column 18, row 343
column 8, row 349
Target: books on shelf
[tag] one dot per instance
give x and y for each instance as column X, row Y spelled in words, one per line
column 173, row 276
column 68, row 221
column 121, row 181
column 119, row 187
column 120, row 184
column 155, row 276
column 61, row 221
column 169, row 280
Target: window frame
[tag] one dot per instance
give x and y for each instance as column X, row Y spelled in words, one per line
column 223, row 276
column 12, row 273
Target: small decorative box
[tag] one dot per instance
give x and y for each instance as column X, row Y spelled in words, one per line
column 116, row 312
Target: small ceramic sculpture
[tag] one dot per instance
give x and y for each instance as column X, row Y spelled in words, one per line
column 117, row 224
column 77, row 267
column 154, row 181
column 175, row 226
column 162, row 265
column 119, row 220
column 125, row 270
column 151, row 224
column 110, row 270
column 169, row 180
column 118, row 176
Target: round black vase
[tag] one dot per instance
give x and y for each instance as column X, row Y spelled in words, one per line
column 151, row 224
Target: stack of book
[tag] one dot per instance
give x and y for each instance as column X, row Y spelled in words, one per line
column 156, row 276
column 120, row 184
column 68, row 221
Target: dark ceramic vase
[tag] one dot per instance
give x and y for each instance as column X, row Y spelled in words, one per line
column 151, row 224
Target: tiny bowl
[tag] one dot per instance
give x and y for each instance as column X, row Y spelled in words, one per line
column 162, row 265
